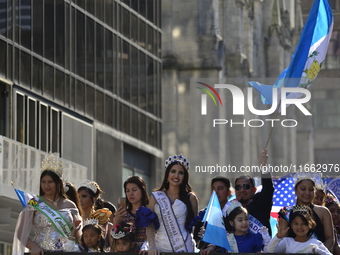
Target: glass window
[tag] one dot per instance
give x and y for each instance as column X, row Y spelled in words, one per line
column 67, row 90
column 16, row 21
column 100, row 10
column 49, row 30
column 3, row 63
column 72, row 93
column 16, row 65
column 115, row 64
column 60, row 33
column 151, row 129
column 100, row 54
column 134, row 123
column 90, row 101
column 142, row 127
column 9, row 62
column 108, row 55
column 150, row 39
column 142, row 7
column 32, row 122
column 158, row 86
column 90, row 49
column 142, row 34
column 59, row 86
column 43, row 127
column 90, row 6
column 135, row 76
column 125, row 119
column 142, row 81
column 25, row 69
column 114, row 14
column 48, row 81
column 55, row 124
column 125, row 19
column 134, row 28
column 99, row 106
column 126, row 71
column 67, row 37
column 108, row 12
column 79, row 44
column 3, row 18
column 134, row 5
column 38, row 26
column 20, row 117
column 150, row 86
column 81, row 3
column 108, row 110
column 25, row 23
column 80, row 96
column 37, row 75
column 150, row 12
column 127, row 172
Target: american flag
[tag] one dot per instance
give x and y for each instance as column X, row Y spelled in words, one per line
column 284, row 194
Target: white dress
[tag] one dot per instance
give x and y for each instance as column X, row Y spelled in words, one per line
column 161, row 237
column 289, row 245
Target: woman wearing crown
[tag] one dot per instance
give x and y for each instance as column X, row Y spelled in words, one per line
column 305, row 184
column 51, row 213
column 175, row 206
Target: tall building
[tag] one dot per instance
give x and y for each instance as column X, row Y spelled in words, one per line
column 81, row 79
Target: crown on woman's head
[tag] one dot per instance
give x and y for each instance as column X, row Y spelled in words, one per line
column 232, row 205
column 120, row 231
column 53, row 163
column 89, row 184
column 314, row 177
column 90, row 222
column 177, row 158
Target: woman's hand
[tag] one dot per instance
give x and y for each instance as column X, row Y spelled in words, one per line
column 206, row 251
column 120, row 213
column 201, row 232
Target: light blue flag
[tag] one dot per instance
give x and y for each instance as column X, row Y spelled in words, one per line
column 23, row 196
column 309, row 54
column 215, row 231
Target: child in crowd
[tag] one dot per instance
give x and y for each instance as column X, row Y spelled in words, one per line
column 92, row 239
column 123, row 237
column 241, row 240
column 334, row 207
column 299, row 233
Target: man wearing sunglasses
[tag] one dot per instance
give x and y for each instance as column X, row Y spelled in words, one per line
column 259, row 205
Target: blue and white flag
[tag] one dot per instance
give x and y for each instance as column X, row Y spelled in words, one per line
column 215, row 231
column 23, row 196
column 309, row 54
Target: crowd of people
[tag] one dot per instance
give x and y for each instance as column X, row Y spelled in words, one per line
column 67, row 219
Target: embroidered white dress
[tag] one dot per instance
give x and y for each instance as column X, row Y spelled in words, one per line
column 161, row 239
column 46, row 236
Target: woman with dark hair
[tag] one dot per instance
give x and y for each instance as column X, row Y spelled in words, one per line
column 51, row 213
column 136, row 197
column 175, row 205
column 71, row 193
column 305, row 193
column 89, row 196
column 334, row 207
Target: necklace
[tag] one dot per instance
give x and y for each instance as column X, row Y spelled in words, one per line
column 55, row 202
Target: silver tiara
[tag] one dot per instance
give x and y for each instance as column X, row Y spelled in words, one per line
column 232, row 205
column 89, row 184
column 120, row 231
column 177, row 158
column 315, row 177
column 90, row 222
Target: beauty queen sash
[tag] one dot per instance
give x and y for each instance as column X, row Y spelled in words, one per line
column 57, row 220
column 170, row 222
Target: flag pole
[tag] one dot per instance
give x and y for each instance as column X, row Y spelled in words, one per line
column 271, row 130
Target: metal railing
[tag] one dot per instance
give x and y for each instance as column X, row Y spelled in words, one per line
column 21, row 164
